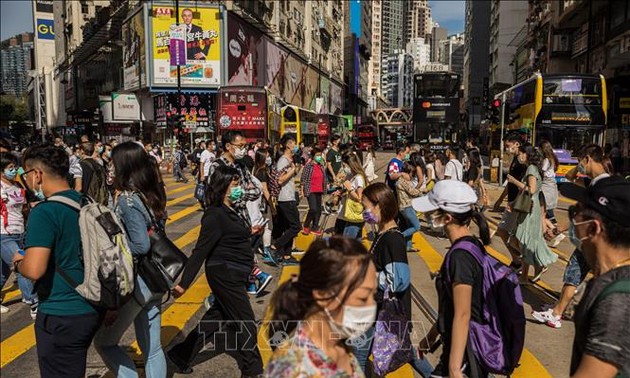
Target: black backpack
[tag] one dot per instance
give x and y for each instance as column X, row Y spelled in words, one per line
column 94, row 181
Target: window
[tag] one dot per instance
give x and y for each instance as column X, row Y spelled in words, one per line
column 84, row 7
column 572, row 91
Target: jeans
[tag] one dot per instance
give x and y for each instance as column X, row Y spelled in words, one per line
column 411, row 217
column 314, row 211
column 62, row 343
column 143, row 310
column 353, row 230
column 230, row 323
column 290, row 219
column 9, row 246
column 178, row 172
column 576, row 270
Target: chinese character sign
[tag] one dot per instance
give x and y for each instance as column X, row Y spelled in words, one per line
column 198, row 48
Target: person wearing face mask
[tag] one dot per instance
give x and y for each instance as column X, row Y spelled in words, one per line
column 593, row 166
column 288, row 213
column 323, row 310
column 314, row 184
column 90, row 177
column 53, row 240
column 389, row 254
column 454, row 170
column 394, row 168
column 225, row 250
column 98, row 151
column 262, row 167
column 106, row 157
column 509, row 221
column 528, row 237
column 601, row 230
column 12, row 206
column 451, row 205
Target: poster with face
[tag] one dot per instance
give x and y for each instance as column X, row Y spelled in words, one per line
column 246, row 55
column 294, row 78
column 275, row 71
column 134, row 57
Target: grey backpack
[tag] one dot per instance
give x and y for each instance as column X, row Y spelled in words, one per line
column 107, row 261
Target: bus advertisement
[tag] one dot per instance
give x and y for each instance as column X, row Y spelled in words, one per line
column 367, row 136
column 567, row 110
column 244, row 109
column 303, row 123
column 436, row 106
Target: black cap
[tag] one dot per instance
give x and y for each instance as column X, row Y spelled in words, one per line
column 610, row 197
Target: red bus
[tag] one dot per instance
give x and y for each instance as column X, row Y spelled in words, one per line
column 243, row 108
column 367, row 136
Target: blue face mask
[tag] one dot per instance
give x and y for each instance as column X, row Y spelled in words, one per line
column 575, row 240
column 581, row 169
column 236, row 193
column 100, row 150
column 10, row 173
column 40, row 194
column 296, row 149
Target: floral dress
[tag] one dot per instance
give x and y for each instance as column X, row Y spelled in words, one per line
column 299, row 357
column 529, row 231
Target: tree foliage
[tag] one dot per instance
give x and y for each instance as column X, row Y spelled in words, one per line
column 13, row 108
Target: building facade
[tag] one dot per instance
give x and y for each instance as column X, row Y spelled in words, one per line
column 418, row 21
column 420, row 51
column 438, row 34
column 374, row 71
column 398, row 79
column 506, row 20
column 16, row 59
column 476, row 68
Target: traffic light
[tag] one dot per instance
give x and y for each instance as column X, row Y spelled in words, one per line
column 173, row 121
column 510, row 117
column 495, row 113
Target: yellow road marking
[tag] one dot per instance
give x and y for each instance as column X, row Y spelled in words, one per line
column 10, row 293
column 566, row 200
column 183, row 213
column 17, row 344
column 179, row 199
column 529, row 364
column 506, row 260
column 180, row 189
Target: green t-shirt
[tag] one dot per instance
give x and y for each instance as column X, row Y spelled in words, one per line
column 56, row 226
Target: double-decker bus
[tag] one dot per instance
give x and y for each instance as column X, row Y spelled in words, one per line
column 329, row 125
column 568, row 110
column 367, row 136
column 436, row 106
column 246, row 109
column 300, row 122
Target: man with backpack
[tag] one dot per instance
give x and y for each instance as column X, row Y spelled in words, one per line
column 454, row 170
column 179, row 163
column 66, row 322
column 90, row 177
column 600, row 228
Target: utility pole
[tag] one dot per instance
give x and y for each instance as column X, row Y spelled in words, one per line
column 139, row 98
column 179, row 83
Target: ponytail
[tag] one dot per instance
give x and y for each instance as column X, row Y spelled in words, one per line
column 482, row 223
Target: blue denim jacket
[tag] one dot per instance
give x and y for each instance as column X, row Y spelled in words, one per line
column 137, row 221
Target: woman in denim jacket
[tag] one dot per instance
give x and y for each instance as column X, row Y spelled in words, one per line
column 135, row 186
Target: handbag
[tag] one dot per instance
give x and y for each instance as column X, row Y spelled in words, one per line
column 523, row 202
column 391, row 348
column 164, row 263
column 200, row 192
column 353, row 211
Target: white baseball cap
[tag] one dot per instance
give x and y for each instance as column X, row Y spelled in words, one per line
column 452, row 196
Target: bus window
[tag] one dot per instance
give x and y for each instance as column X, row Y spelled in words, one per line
column 572, row 91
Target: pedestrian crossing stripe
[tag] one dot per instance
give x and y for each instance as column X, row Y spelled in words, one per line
column 179, row 199
column 529, row 366
column 182, row 214
column 180, row 189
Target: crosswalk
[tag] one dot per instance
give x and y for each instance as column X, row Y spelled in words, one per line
column 178, row 313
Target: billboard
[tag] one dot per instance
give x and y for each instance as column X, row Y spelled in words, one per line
column 246, row 53
column 45, row 29
column 203, row 47
column 44, row 6
column 134, row 57
column 125, row 107
column 198, row 106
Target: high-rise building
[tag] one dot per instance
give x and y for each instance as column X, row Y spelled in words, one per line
column 476, row 69
column 15, row 61
column 506, row 20
column 451, row 53
column 418, row 21
column 357, row 49
column 392, row 35
column 374, row 73
column 398, row 79
column 420, row 50
column 438, row 34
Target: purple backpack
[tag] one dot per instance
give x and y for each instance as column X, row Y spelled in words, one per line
column 497, row 342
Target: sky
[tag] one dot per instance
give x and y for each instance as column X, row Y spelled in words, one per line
column 16, row 16
column 449, row 14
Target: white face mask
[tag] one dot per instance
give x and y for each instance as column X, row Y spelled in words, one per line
column 240, row 153
column 355, row 322
column 436, row 223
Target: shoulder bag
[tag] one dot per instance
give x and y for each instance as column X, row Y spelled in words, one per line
column 164, row 263
column 523, row 202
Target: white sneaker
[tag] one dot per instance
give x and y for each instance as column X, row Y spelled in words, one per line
column 548, row 318
column 556, row 240
column 34, row 310
column 3, row 309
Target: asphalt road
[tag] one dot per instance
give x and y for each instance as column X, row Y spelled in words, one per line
column 547, row 354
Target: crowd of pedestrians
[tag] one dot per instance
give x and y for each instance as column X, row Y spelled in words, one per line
column 341, row 307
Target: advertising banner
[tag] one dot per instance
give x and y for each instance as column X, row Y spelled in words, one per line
column 177, row 45
column 243, row 109
column 203, row 47
column 45, row 29
column 294, row 81
column 246, row 53
column 197, row 108
column 44, row 6
column 134, row 57
column 275, row 78
column 125, row 107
